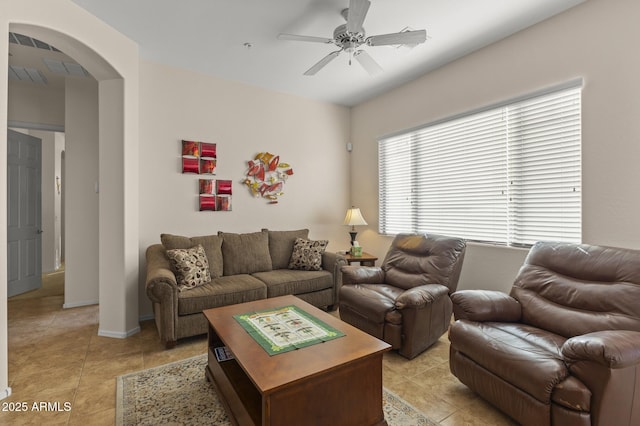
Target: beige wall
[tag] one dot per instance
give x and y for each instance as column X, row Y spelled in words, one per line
column 38, row 103
column 242, row 120
column 596, row 41
column 81, row 197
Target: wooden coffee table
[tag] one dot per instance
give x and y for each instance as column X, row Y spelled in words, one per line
column 338, row 382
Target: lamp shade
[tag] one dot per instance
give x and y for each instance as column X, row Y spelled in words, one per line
column 354, row 217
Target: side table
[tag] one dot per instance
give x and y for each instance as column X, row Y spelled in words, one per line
column 365, row 260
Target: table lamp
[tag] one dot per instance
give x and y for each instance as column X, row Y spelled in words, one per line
column 354, row 218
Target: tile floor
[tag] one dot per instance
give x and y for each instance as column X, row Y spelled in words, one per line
column 56, row 356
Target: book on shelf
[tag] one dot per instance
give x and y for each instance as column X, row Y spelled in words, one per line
column 223, row 353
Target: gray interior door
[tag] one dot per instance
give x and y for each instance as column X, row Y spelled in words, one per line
column 24, row 228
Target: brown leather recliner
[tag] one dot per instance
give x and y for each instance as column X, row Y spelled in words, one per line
column 564, row 347
column 405, row 302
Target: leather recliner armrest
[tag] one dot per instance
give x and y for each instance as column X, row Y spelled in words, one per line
column 485, row 305
column 362, row 275
column 610, row 348
column 421, row 295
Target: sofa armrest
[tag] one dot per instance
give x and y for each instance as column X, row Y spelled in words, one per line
column 362, row 275
column 161, row 281
column 610, row 348
column 332, row 262
column 421, row 295
column 485, row 305
column 162, row 290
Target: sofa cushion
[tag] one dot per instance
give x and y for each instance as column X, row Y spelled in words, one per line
column 190, row 267
column 281, row 282
column 245, row 253
column 524, row 356
column 307, row 254
column 281, row 246
column 212, row 246
column 221, row 291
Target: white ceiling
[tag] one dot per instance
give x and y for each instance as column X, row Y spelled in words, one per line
column 209, row 36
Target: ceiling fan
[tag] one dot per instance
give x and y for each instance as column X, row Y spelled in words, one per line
column 350, row 37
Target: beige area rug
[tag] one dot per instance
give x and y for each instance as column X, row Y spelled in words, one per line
column 179, row 394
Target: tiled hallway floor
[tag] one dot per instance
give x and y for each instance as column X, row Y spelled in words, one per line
column 56, row 356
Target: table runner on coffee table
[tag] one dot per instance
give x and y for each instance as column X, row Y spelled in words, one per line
column 285, row 329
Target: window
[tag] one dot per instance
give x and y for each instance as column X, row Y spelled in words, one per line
column 508, row 174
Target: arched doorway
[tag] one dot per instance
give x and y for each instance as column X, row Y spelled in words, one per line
column 113, row 61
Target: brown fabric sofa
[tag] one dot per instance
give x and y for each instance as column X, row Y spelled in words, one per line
column 405, row 302
column 564, row 347
column 243, row 267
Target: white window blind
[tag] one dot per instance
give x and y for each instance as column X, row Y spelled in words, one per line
column 509, row 174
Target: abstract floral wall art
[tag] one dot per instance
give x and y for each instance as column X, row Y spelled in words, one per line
column 266, row 175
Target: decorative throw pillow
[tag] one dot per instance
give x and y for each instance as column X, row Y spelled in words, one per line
column 212, row 245
column 307, row 254
column 190, row 266
column 281, row 246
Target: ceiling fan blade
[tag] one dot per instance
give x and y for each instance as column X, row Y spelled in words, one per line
column 295, row 37
column 322, row 63
column 367, row 62
column 405, row 37
column 357, row 12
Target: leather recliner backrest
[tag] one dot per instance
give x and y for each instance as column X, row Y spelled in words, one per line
column 418, row 259
column 571, row 289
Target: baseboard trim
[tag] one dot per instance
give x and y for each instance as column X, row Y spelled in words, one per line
column 79, row 304
column 5, row 393
column 146, row 317
column 119, row 334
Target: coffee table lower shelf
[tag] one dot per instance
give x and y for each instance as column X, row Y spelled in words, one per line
column 236, row 392
column 338, row 397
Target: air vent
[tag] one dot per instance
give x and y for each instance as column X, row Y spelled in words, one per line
column 65, row 68
column 26, row 74
column 24, row 40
